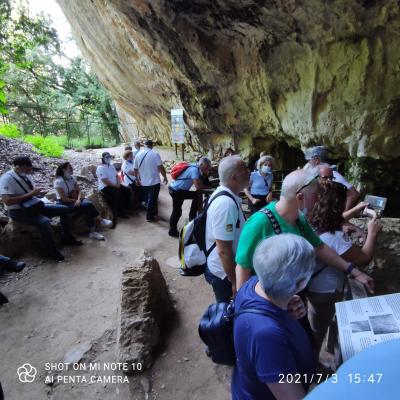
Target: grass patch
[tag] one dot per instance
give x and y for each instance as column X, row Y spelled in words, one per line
column 48, row 145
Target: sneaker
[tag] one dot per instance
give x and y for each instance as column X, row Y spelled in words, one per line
column 57, row 255
column 96, row 236
column 106, row 223
column 15, row 266
column 173, row 233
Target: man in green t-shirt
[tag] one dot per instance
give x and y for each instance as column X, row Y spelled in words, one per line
column 298, row 195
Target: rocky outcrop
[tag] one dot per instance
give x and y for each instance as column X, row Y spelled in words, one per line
column 385, row 266
column 251, row 74
column 145, row 309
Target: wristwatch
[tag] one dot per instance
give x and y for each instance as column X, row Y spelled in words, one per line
column 350, row 268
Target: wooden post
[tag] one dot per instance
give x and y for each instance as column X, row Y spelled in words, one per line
column 183, row 151
column 176, row 150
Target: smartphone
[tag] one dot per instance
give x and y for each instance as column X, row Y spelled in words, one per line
column 377, row 203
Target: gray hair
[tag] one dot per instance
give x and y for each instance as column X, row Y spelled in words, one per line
column 227, row 167
column 263, row 159
column 203, row 160
column 281, row 261
column 317, row 151
column 296, row 180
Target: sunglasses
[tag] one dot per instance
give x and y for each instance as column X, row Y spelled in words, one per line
column 308, row 184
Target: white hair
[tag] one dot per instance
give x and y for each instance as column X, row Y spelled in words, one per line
column 227, row 167
column 263, row 159
column 204, row 160
column 296, row 180
column 281, row 261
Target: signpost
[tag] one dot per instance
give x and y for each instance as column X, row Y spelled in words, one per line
column 178, row 130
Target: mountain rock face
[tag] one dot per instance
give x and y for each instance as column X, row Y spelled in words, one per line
column 275, row 75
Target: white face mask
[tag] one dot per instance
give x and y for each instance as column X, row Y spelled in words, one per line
column 265, row 169
column 67, row 175
column 23, row 174
column 305, row 209
column 107, row 160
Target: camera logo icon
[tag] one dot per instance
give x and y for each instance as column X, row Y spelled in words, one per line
column 27, row 373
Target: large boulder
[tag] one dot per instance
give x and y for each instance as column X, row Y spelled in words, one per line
column 17, row 238
column 385, row 266
column 145, row 308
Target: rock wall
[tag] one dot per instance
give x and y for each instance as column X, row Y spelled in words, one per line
column 274, row 75
column 300, row 72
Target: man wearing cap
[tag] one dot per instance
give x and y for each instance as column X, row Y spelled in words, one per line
column 319, row 155
column 148, row 167
column 180, row 191
column 116, row 195
column 22, row 200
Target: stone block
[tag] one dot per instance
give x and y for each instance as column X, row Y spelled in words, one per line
column 145, row 309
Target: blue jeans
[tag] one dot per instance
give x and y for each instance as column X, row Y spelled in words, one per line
column 42, row 221
column 150, row 195
column 86, row 208
column 222, row 287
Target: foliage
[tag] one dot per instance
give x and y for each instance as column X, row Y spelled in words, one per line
column 37, row 93
column 10, row 131
column 47, row 146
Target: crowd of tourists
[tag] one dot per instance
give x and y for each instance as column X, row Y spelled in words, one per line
column 289, row 259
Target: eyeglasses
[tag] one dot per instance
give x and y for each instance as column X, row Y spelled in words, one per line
column 327, row 178
column 307, row 184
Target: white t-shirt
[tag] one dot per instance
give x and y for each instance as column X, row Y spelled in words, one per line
column 105, row 171
column 148, row 171
column 126, row 168
column 9, row 186
column 331, row 279
column 222, row 217
column 341, row 179
column 68, row 185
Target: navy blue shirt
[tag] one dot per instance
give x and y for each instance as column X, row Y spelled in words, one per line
column 266, row 346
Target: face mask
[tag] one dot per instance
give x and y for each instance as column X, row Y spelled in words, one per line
column 107, row 160
column 265, row 169
column 23, row 174
column 67, row 175
column 305, row 209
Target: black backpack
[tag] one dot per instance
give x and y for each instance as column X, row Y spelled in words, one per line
column 194, row 233
column 216, row 330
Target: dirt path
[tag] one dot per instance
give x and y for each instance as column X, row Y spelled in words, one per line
column 56, row 306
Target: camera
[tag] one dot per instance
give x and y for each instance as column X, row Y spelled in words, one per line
column 376, row 205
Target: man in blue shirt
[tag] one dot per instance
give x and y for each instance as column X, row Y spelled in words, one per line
column 274, row 356
column 180, row 191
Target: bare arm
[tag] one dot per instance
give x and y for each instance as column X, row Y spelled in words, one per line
column 163, row 172
column 328, row 256
column 287, row 391
column 352, row 197
column 242, row 275
column 64, row 198
column 10, row 200
column 198, row 184
column 250, row 197
column 225, row 253
column 362, row 256
column 355, row 211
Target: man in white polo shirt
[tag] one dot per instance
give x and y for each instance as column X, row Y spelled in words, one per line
column 148, row 167
column 225, row 221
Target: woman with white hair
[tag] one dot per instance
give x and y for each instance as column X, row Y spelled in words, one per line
column 259, row 191
column 274, row 353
